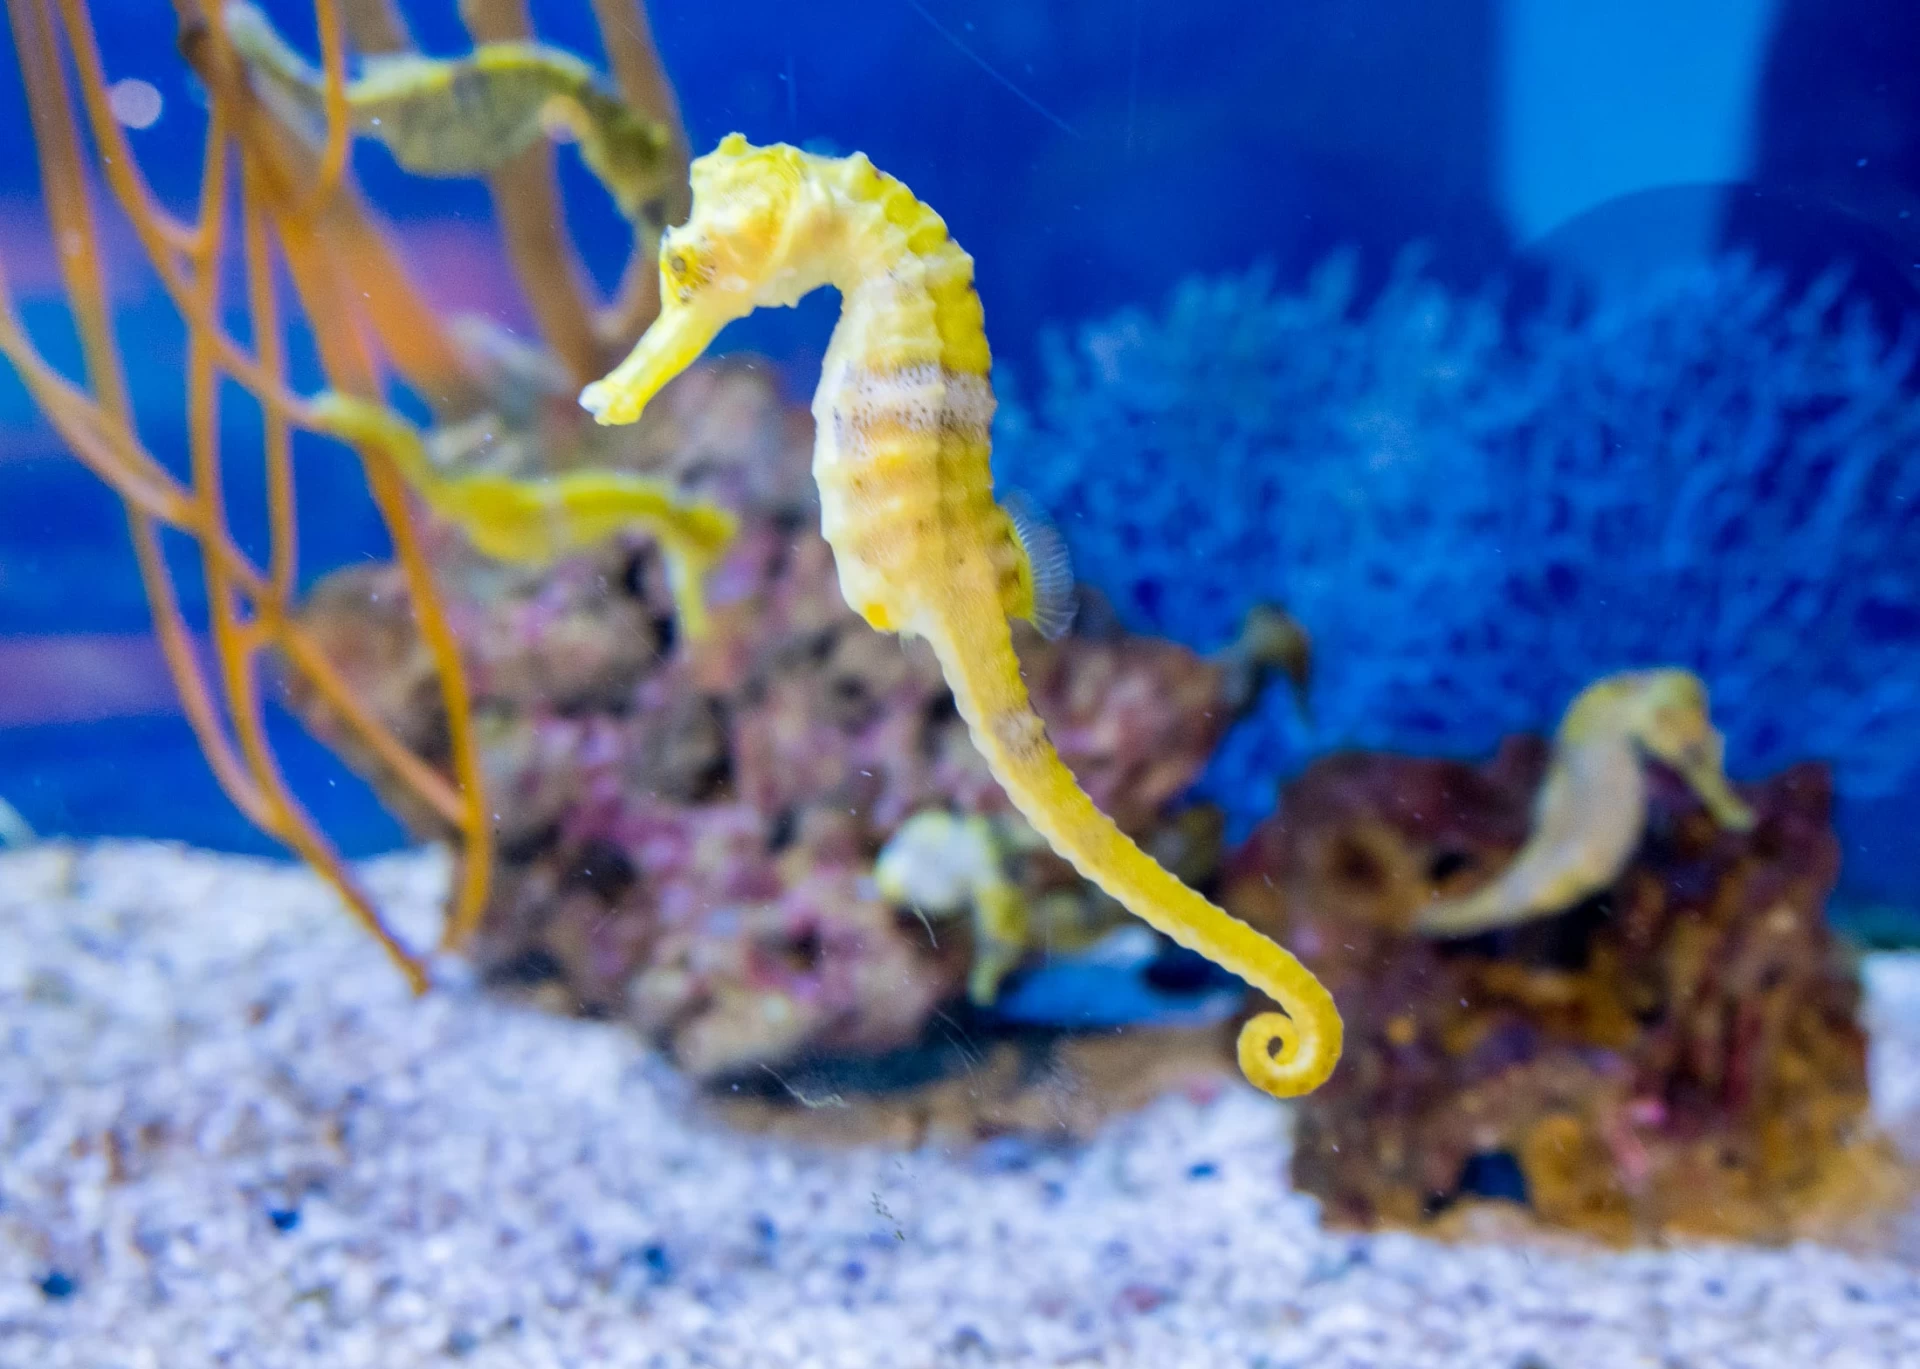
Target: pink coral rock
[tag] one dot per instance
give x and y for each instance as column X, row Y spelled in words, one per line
column 687, row 830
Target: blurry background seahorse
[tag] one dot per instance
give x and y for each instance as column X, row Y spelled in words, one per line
column 466, row 116
column 919, row 544
column 469, row 115
column 533, row 522
column 943, row 864
column 1593, row 806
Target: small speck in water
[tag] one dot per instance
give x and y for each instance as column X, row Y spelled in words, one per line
column 1205, row 1169
column 135, row 103
column 284, row 1218
column 59, row 1285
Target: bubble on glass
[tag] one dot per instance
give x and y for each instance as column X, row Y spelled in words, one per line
column 135, row 103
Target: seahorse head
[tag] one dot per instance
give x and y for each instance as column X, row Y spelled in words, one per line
column 742, row 247
column 1665, row 712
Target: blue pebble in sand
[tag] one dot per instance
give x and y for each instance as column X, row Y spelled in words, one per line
column 658, row 1262
column 1493, row 1174
column 1003, row 1155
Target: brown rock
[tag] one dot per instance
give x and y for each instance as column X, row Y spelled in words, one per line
column 687, row 830
column 1678, row 1055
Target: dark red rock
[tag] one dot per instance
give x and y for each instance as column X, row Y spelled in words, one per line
column 1678, row 1054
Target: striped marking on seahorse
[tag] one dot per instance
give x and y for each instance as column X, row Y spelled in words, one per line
column 917, row 399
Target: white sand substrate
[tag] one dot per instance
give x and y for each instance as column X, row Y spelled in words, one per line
column 231, row 1138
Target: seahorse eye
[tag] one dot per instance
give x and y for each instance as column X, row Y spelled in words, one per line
column 677, row 264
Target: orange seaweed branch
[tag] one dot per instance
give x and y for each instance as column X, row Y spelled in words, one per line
column 643, row 84
column 585, row 338
column 526, row 200
column 333, row 66
column 109, row 449
column 294, row 205
column 367, row 317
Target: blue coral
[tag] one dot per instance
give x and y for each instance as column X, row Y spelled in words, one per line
column 1473, row 518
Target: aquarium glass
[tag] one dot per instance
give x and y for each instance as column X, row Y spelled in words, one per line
column 930, row 683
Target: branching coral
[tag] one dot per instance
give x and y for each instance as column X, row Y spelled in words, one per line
column 274, row 198
column 1473, row 520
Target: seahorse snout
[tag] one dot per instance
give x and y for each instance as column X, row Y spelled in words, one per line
column 673, row 343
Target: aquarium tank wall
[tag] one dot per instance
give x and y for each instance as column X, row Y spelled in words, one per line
column 932, row 683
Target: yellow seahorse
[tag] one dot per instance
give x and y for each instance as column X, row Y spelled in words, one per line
column 1593, row 806
column 533, row 522
column 920, row 545
column 943, row 864
column 465, row 116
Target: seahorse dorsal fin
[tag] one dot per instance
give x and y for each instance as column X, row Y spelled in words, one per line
column 1049, row 567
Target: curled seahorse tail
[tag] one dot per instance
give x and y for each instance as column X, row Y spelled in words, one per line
column 1286, row 1053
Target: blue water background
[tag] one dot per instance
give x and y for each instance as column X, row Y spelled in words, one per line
column 1091, row 155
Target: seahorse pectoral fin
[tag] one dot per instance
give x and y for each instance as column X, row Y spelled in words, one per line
column 673, row 343
column 1046, row 597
